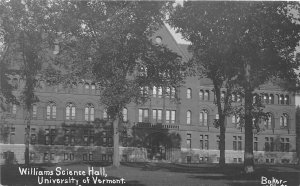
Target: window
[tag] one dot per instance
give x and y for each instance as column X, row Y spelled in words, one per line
column 51, row 110
column 46, row 156
column 159, row 92
column 201, row 95
column 144, row 91
column 235, row 120
column 286, row 100
column 204, row 142
column 206, row 95
column 269, row 144
column 233, row 97
column 203, row 117
column 69, row 137
column 157, row 115
column 93, row 86
column 107, row 139
column 71, row 156
column 89, row 112
column 284, row 121
column 125, row 114
column 33, row 136
column 90, row 157
column 188, row 140
column 168, row 92
column 34, row 111
column 12, row 134
column 188, row 117
column 52, row 155
column 124, row 138
column 86, row 86
column 173, row 92
column 170, row 116
column 143, row 115
column 70, row 111
column 266, row 98
column 105, row 116
column 237, row 142
column 268, row 122
column 238, row 98
column 14, row 109
column 284, row 144
column 271, row 99
column 88, row 137
column 188, row 93
column 281, row 99
column 218, row 142
column 154, row 91
column 255, row 144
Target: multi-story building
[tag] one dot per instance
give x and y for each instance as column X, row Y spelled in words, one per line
column 69, row 124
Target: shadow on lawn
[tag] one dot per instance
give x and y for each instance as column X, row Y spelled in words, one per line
column 10, row 176
column 231, row 174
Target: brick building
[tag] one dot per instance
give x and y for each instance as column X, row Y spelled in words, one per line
column 69, row 124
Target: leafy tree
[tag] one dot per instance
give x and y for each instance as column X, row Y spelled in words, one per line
column 23, row 30
column 250, row 42
column 110, row 43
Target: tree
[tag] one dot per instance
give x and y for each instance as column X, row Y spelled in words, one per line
column 255, row 40
column 298, row 133
column 109, row 43
column 23, row 30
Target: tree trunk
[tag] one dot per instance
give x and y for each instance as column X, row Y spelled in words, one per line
column 27, row 161
column 222, row 141
column 116, row 157
column 248, row 154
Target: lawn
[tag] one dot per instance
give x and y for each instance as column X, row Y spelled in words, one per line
column 143, row 174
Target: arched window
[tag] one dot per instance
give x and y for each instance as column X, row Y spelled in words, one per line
column 125, row 114
column 14, row 109
column 89, row 112
column 271, row 99
column 93, row 86
column 266, row 98
column 168, row 92
column 203, row 117
column 206, row 95
column 284, row 121
column 159, row 92
column 188, row 117
column 86, row 86
column 281, row 99
column 51, row 110
column 154, row 91
column 286, row 99
column 173, row 92
column 188, row 93
column 70, row 111
column 268, row 121
column 201, row 95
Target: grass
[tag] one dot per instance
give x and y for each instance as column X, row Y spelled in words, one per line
column 164, row 174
